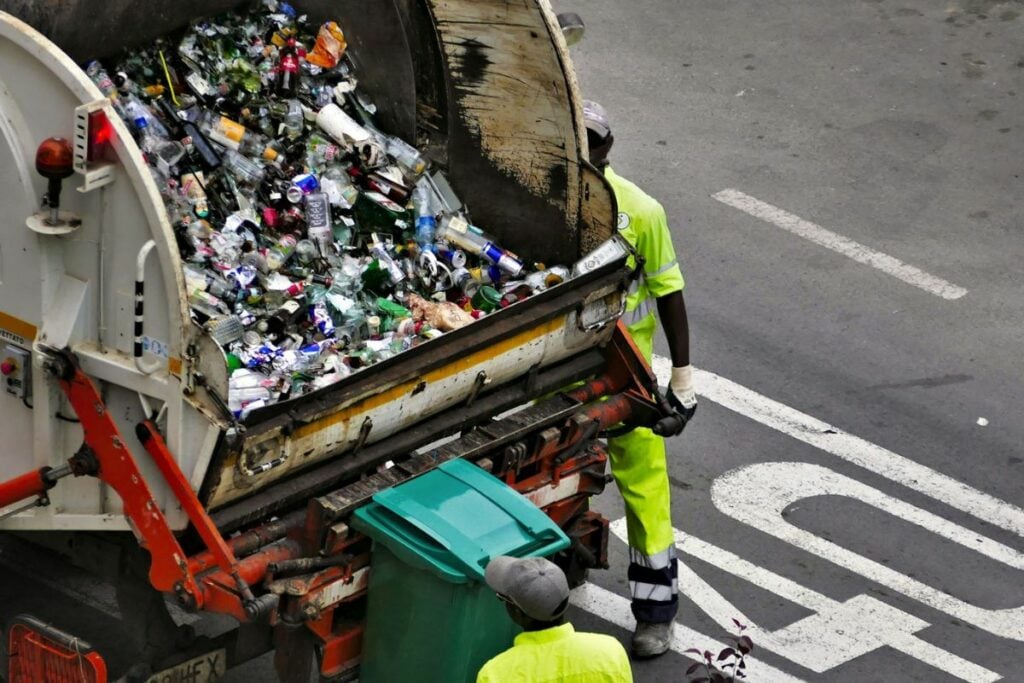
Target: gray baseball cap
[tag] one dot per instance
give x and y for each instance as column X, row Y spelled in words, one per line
column 533, row 584
column 595, row 118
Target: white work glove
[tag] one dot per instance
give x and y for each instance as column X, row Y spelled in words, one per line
column 681, row 395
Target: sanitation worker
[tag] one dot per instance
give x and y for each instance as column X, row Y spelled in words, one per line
column 638, row 458
column 550, row 650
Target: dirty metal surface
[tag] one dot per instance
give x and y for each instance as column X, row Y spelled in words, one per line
column 296, row 490
column 87, row 29
column 473, row 444
column 333, row 412
column 513, row 148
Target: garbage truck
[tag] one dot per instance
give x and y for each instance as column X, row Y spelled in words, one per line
column 118, row 450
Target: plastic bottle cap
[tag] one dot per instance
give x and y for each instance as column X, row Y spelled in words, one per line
column 486, row 298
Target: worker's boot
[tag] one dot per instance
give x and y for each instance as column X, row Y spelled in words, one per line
column 650, row 639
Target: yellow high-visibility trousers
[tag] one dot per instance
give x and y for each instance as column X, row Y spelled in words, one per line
column 640, row 469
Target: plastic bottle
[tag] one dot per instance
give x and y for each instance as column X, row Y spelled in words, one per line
column 244, row 169
column 320, row 151
column 235, row 136
column 289, row 114
column 407, row 156
column 426, row 221
column 339, row 188
column 279, row 253
column 306, row 251
column 105, row 83
column 287, row 83
column 166, row 153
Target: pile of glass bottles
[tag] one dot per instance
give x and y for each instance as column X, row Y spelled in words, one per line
column 314, row 245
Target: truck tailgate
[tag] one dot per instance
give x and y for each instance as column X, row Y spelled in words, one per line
column 444, row 374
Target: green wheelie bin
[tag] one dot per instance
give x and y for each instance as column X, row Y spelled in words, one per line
column 430, row 616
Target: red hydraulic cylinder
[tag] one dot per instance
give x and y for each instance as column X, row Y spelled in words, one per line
column 26, row 486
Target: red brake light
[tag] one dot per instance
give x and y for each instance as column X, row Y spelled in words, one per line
column 100, row 134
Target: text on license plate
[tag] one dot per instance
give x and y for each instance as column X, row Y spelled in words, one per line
column 202, row 669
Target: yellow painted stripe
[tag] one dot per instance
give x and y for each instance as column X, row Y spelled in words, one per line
column 457, row 365
column 174, row 366
column 18, row 326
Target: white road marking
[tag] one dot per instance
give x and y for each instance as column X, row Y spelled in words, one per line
column 853, row 449
column 852, row 628
column 842, row 245
column 615, row 609
column 758, row 494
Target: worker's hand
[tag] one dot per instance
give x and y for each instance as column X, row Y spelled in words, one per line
column 681, row 395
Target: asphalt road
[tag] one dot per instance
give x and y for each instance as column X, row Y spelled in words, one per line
column 893, row 551
column 896, row 125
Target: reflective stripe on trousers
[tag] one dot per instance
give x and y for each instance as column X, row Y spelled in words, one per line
column 654, row 585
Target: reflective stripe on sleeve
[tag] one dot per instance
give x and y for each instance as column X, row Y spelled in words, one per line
column 642, row 310
column 662, row 270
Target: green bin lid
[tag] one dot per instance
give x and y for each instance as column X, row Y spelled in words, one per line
column 453, row 520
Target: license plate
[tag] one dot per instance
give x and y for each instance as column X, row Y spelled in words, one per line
column 202, row 669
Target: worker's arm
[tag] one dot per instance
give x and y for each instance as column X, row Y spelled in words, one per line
column 681, row 394
column 665, row 283
column 672, row 312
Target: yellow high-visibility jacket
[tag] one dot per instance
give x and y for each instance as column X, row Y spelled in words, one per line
column 642, row 223
column 559, row 655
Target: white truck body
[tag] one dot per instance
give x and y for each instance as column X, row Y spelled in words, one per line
column 78, row 290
